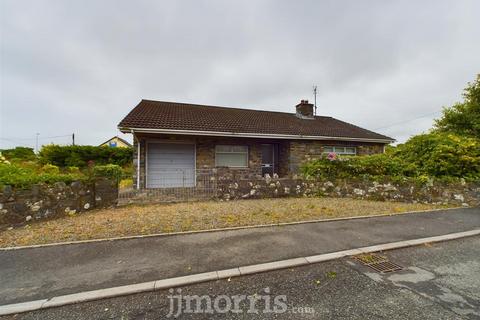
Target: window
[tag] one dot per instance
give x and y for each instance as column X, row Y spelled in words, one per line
column 231, row 156
column 340, row 150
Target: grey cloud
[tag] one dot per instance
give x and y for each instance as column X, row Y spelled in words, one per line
column 81, row 66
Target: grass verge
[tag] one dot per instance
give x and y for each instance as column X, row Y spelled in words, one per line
column 167, row 218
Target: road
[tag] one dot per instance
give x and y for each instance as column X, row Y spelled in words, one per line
column 440, row 281
column 38, row 273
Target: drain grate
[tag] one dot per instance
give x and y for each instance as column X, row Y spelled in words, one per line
column 370, row 258
column 378, row 263
column 385, row 267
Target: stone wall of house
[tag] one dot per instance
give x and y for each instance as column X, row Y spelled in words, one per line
column 302, row 151
column 284, row 158
column 291, row 153
column 18, row 206
column 205, row 147
column 205, row 155
column 436, row 193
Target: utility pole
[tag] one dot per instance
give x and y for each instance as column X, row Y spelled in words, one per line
column 315, row 98
column 73, row 139
column 36, row 142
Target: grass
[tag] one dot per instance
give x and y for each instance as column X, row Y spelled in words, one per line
column 167, row 218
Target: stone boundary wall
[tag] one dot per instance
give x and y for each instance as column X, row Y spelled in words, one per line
column 40, row 202
column 466, row 194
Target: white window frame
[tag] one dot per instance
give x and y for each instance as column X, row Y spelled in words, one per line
column 341, row 150
column 231, row 152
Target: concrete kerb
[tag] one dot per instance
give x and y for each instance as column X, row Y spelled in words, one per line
column 98, row 294
column 217, row 275
column 21, row 307
column 270, row 266
column 186, row 280
column 171, row 234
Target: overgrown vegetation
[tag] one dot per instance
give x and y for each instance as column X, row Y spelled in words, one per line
column 111, row 171
column 28, row 174
column 450, row 151
column 463, row 118
column 438, row 155
column 21, row 167
column 19, row 154
column 25, row 176
column 81, row 156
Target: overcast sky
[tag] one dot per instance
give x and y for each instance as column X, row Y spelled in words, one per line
column 80, row 66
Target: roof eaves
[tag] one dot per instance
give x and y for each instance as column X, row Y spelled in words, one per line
column 251, row 135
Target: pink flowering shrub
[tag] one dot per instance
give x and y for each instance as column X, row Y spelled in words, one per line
column 332, row 156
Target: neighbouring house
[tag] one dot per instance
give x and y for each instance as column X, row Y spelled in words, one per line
column 175, row 142
column 115, row 142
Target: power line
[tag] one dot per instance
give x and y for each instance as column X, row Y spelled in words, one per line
column 10, row 140
column 64, row 136
column 406, row 121
column 39, row 138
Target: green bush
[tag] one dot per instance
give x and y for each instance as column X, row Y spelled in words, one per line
column 80, row 156
column 127, row 172
column 379, row 165
column 50, row 169
column 440, row 155
column 19, row 154
column 24, row 177
column 110, row 171
column 3, row 160
column 75, row 170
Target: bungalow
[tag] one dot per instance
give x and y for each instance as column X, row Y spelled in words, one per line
column 174, row 142
column 116, row 142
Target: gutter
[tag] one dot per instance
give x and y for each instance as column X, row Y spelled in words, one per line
column 138, row 158
column 250, row 135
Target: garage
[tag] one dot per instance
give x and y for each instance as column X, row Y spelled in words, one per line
column 170, row 165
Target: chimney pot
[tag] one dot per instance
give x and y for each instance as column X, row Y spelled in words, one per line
column 304, row 110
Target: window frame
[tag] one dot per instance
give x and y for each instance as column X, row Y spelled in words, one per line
column 343, row 153
column 246, row 152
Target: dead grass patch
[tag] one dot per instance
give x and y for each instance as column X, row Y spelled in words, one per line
column 167, row 218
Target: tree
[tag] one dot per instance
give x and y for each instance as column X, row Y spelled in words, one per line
column 441, row 154
column 463, row 118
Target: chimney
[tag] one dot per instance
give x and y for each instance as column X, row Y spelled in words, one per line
column 304, row 110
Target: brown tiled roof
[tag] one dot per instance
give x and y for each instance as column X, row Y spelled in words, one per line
column 183, row 116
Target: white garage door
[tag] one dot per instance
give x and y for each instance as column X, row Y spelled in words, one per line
column 170, row 165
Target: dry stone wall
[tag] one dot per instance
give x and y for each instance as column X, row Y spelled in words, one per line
column 18, row 206
column 466, row 194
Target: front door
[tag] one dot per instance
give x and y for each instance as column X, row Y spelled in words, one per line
column 268, row 159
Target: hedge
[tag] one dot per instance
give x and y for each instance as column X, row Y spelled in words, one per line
column 81, row 156
column 433, row 155
column 24, row 177
column 441, row 154
column 110, row 171
column 19, row 154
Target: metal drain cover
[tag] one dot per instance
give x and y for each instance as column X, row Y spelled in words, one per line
column 378, row 263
